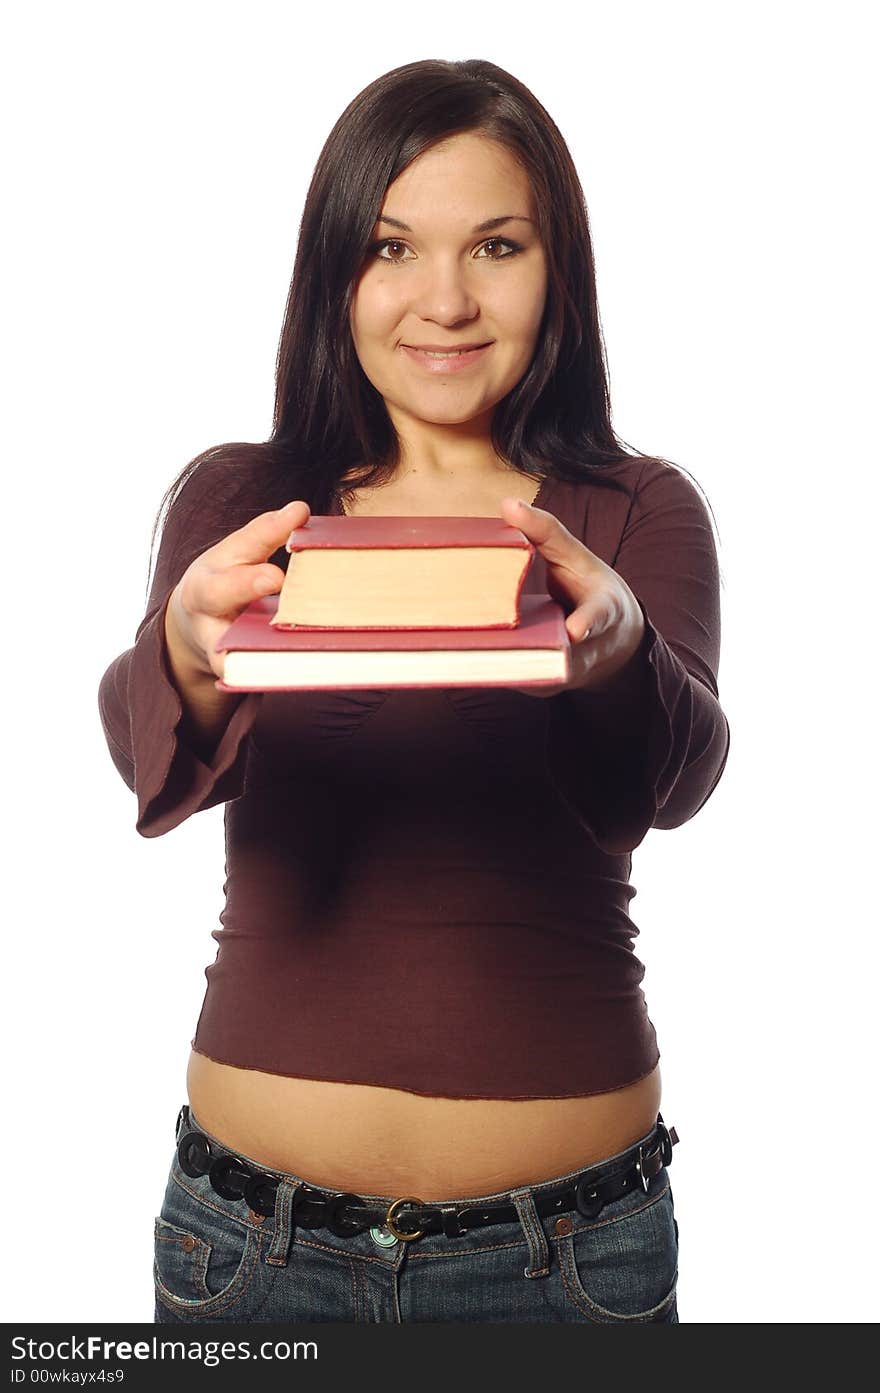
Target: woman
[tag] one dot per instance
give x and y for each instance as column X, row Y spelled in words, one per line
column 424, row 1084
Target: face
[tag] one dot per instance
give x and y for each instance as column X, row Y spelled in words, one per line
column 440, row 281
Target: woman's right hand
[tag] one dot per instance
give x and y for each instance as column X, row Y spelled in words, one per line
column 225, row 579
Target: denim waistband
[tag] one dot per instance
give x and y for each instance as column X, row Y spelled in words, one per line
column 280, row 1231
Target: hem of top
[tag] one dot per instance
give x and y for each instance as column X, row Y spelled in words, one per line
column 421, row 1093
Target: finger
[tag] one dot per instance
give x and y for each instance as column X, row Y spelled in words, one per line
column 541, row 689
column 557, row 544
column 224, row 591
column 264, row 534
column 592, row 617
column 232, row 576
column 578, row 626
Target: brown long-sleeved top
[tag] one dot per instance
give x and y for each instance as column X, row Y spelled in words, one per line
column 427, row 889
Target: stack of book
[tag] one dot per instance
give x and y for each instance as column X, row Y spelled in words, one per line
column 399, row 602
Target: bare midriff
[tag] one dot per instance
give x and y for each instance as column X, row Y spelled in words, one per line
column 389, row 1141
column 385, row 1141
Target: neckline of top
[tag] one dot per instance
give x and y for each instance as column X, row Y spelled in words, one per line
column 337, row 509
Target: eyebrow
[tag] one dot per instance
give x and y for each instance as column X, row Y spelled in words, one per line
column 486, row 226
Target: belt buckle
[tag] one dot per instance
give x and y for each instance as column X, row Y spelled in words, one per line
column 389, row 1217
column 640, row 1165
column 665, row 1142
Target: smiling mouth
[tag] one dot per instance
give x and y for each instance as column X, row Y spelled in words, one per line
column 446, row 352
column 448, row 360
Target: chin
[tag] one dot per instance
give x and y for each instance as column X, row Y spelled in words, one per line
column 448, row 418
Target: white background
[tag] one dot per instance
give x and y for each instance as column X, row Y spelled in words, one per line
column 156, row 162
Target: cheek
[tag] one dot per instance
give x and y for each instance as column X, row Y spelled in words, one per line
column 377, row 305
column 532, row 299
column 519, row 308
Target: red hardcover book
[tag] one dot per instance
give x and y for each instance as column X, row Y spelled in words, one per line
column 433, row 572
column 262, row 657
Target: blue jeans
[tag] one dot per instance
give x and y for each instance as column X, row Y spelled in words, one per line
column 218, row 1260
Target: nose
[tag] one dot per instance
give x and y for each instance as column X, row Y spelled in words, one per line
column 444, row 294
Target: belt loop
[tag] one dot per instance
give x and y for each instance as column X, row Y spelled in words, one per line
column 539, row 1252
column 285, row 1223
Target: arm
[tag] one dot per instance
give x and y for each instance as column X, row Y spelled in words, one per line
column 648, row 748
column 206, row 711
column 178, row 743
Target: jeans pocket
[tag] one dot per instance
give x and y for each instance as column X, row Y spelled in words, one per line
column 623, row 1266
column 205, row 1263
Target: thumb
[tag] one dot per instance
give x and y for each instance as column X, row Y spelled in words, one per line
column 263, row 535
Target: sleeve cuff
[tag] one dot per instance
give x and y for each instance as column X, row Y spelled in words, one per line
column 615, row 754
column 171, row 781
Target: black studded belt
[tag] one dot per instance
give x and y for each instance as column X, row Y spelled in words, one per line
column 235, row 1178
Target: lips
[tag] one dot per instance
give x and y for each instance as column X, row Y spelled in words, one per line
column 446, row 360
column 446, row 347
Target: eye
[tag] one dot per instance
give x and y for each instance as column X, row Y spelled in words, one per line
column 376, row 248
column 502, row 242
column 388, row 242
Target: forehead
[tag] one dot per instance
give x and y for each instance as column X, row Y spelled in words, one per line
column 461, row 179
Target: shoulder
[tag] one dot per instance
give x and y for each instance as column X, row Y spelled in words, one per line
column 222, row 488
column 656, row 498
column 214, row 475
column 207, row 501
column 661, row 478
column 596, row 510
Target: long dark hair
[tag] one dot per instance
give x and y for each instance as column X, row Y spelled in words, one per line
column 330, row 425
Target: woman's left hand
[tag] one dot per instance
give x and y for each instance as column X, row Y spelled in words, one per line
column 603, row 618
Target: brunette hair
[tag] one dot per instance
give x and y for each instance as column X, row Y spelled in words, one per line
column 330, row 425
